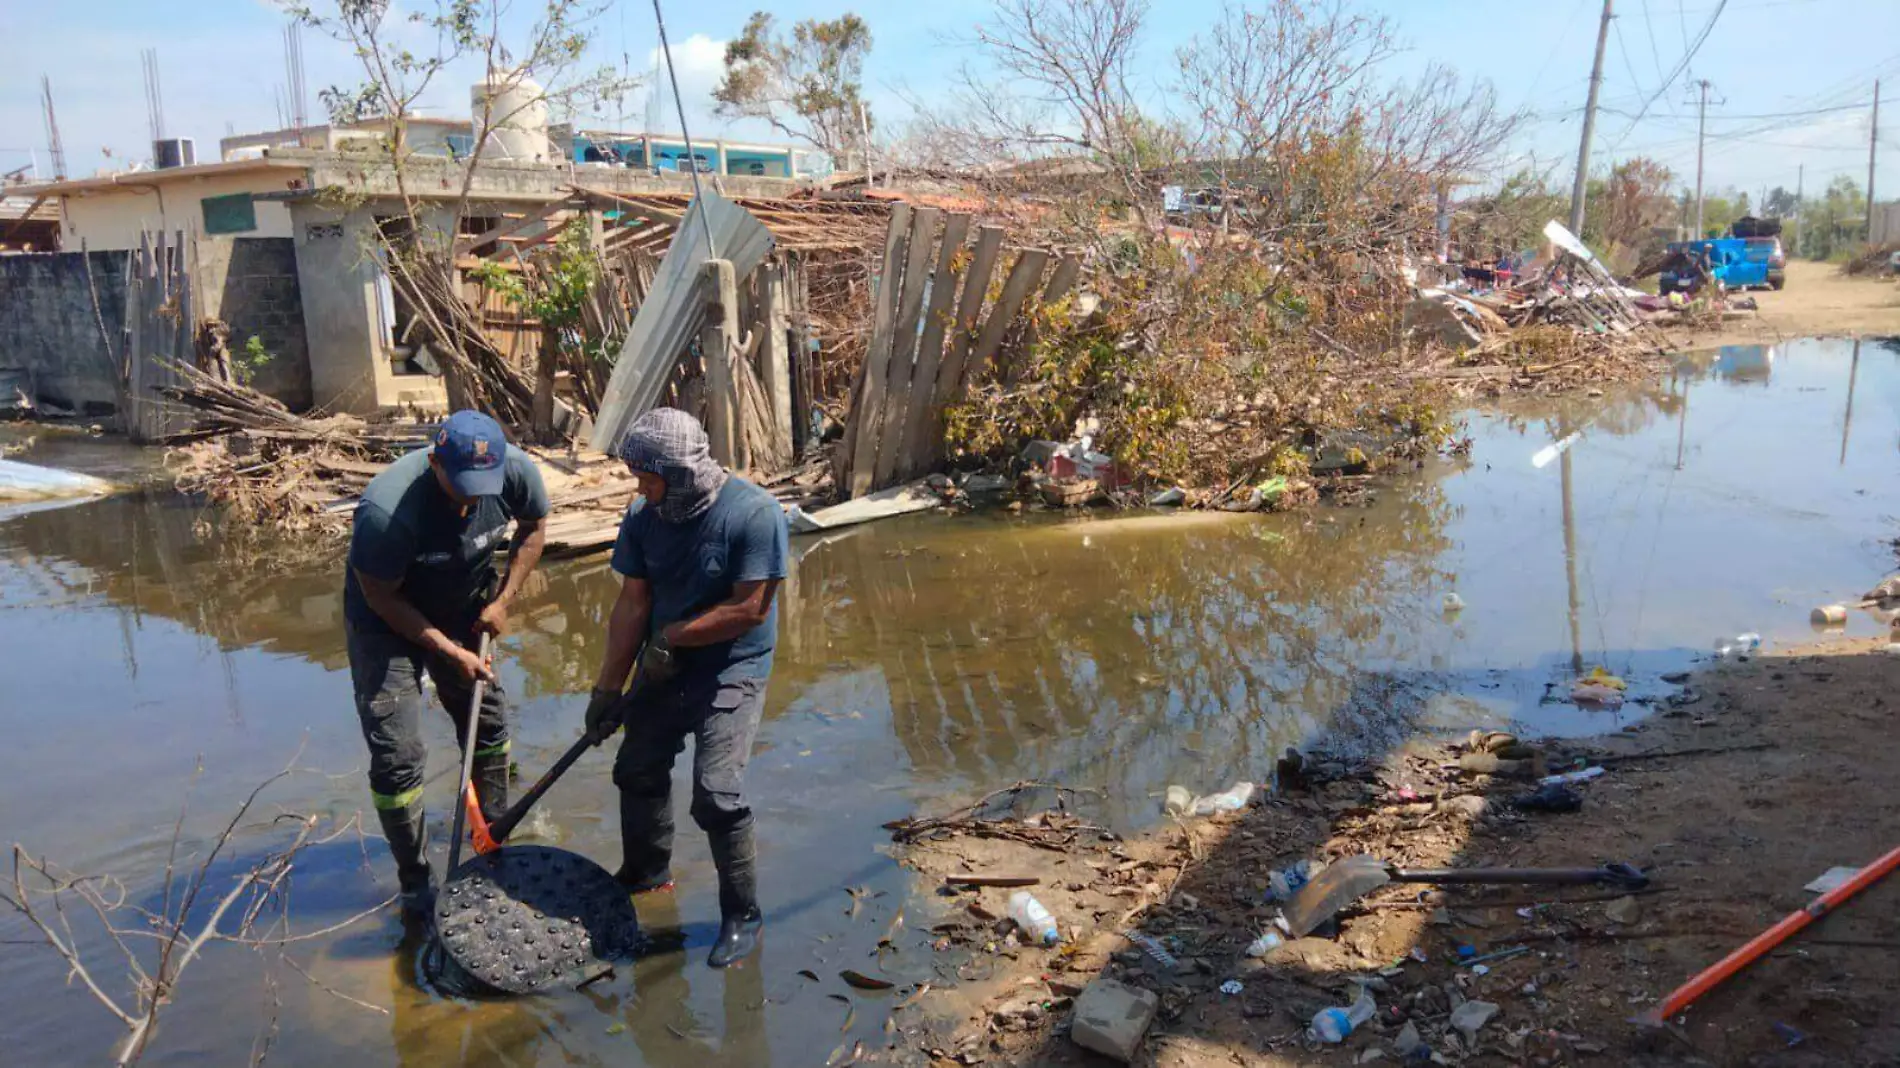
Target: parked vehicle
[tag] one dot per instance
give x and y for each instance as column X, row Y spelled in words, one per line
column 1737, row 263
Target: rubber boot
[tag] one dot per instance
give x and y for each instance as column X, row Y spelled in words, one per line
column 490, row 775
column 646, row 843
column 740, row 921
column 408, row 835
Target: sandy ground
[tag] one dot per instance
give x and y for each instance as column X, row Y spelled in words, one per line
column 1753, row 780
column 1818, row 301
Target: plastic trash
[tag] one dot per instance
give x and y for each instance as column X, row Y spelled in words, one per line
column 1232, row 799
column 1154, row 951
column 1597, row 676
column 1034, row 920
column 1286, row 882
column 1571, row 778
column 1454, row 603
column 1596, row 695
column 1168, row 498
column 1266, row 943
column 1231, row 987
column 1331, row 1026
column 1179, row 800
column 1551, row 797
column 1829, row 615
column 1740, row 645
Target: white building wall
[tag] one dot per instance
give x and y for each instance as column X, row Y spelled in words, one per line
column 114, row 218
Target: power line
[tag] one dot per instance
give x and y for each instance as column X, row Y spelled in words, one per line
column 1681, row 66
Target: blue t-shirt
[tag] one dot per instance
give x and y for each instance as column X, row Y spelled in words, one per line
column 408, row 530
column 692, row 566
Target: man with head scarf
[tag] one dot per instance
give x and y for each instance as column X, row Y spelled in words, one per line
column 700, row 557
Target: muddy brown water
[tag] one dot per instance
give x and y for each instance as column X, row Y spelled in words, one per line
column 921, row 660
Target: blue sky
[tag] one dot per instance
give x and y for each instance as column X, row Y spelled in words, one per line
column 1774, row 64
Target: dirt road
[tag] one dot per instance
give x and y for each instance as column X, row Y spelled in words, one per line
column 1819, row 301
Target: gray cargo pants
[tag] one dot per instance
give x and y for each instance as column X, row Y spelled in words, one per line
column 386, row 672
column 723, row 721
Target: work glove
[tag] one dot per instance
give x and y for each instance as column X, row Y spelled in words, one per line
column 603, row 714
column 657, row 663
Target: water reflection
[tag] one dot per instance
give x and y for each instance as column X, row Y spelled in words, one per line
column 933, row 655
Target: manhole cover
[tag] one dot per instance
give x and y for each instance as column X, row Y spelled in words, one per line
column 525, row 918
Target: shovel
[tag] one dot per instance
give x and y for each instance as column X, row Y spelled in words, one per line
column 520, row 919
column 1351, row 878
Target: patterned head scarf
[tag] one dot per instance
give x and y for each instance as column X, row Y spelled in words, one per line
column 671, row 444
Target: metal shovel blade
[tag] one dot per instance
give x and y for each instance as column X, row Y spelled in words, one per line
column 1339, row 885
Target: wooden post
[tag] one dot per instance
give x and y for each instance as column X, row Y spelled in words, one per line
column 799, row 324
column 775, row 369
column 890, row 449
column 1022, row 277
column 919, row 456
column 860, row 455
column 717, row 341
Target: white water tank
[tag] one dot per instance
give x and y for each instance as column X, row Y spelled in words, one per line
column 511, row 113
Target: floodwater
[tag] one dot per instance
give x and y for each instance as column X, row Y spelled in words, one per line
column 921, row 659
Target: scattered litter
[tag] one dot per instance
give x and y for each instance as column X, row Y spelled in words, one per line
column 1481, row 969
column 1179, row 800
column 1454, row 604
column 1550, row 797
column 1111, row 1018
column 1599, row 677
column 1791, row 1035
column 1829, row 615
column 1168, row 498
column 1469, row 1018
column 1740, row 645
column 1418, row 955
column 1154, row 951
column 1474, row 963
column 1268, row 941
column 1570, row 778
column 1408, row 1040
column 1037, row 925
column 1232, row 799
column 1597, row 694
column 1231, row 987
column 1332, row 1025
column 1830, row 879
column 1283, row 884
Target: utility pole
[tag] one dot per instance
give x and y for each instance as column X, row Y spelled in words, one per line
column 1800, row 205
column 1589, row 126
column 1873, row 142
column 1701, row 118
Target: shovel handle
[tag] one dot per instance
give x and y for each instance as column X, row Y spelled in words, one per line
column 499, row 830
column 1613, row 874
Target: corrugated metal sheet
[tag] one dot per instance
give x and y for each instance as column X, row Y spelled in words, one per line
column 670, row 316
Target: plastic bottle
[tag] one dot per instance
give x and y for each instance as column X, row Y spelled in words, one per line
column 1570, row 777
column 1266, row 943
column 1331, row 1026
column 1037, row 924
column 1232, row 799
column 1288, row 880
column 1738, row 645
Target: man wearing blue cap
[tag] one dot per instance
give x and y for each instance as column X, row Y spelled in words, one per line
column 416, row 599
column 700, row 559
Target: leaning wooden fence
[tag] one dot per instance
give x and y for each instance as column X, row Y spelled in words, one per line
column 160, row 328
column 930, row 339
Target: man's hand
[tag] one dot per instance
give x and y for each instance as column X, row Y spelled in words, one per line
column 493, row 620
column 603, row 715
column 656, row 660
column 468, row 665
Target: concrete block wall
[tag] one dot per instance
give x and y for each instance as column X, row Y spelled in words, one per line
column 251, row 283
column 50, row 329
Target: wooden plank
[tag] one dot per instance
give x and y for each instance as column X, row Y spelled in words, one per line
column 505, row 228
column 1062, row 279
column 910, row 311
column 952, row 380
column 868, row 397
column 718, row 339
column 799, row 324
column 775, row 355
column 1022, row 277
column 918, row 456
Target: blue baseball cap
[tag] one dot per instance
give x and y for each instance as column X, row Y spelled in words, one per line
column 471, row 448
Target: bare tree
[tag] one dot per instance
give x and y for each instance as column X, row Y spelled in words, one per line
column 810, row 86
column 402, row 56
column 157, row 946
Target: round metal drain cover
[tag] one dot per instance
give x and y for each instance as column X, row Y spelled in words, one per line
column 528, row 917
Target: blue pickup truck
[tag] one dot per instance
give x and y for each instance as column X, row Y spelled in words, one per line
column 1736, row 262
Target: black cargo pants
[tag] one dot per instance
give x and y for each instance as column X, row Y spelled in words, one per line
column 386, row 672
column 723, row 721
